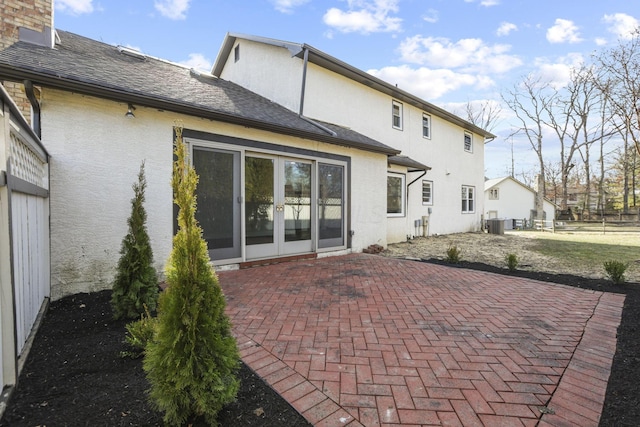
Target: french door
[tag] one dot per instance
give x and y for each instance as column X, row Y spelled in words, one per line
column 279, row 202
column 258, row 205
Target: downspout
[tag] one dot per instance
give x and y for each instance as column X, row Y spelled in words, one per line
column 424, row 172
column 35, row 105
column 302, row 91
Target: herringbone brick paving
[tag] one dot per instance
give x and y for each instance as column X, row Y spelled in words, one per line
column 367, row 340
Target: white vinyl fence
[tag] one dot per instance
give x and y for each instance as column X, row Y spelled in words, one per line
column 24, row 235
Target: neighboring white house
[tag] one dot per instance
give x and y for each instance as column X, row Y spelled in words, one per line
column 357, row 166
column 507, row 198
column 306, row 80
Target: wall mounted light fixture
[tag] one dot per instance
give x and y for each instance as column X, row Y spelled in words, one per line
column 129, row 114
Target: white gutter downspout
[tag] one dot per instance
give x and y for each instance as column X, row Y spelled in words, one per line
column 302, row 91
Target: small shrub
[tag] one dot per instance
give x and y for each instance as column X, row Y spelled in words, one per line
column 453, row 255
column 139, row 333
column 512, row 261
column 136, row 282
column 615, row 271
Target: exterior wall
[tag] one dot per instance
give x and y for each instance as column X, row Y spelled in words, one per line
column 514, row 202
column 336, row 99
column 267, row 70
column 32, row 14
column 95, row 156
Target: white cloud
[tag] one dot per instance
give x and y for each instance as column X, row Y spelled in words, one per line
column 172, row 9
column 287, row 6
column 505, row 28
column 600, row 41
column 558, row 73
column 364, row 16
column 198, row 61
column 621, row 24
column 563, row 31
column 469, row 55
column 74, row 7
column 485, row 3
column 427, row 83
column 431, row 16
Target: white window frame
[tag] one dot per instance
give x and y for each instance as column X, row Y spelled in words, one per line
column 236, row 53
column 394, row 116
column 403, row 194
column 468, row 200
column 426, row 118
column 469, row 135
column 494, row 194
column 428, row 202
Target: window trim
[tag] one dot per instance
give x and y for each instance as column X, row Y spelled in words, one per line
column 430, row 202
column 393, row 115
column 494, row 194
column 403, row 195
column 428, row 128
column 470, row 135
column 236, row 53
column 465, row 197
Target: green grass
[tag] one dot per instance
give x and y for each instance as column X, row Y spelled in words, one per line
column 589, row 248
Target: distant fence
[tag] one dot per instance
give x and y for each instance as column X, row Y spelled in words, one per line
column 601, row 227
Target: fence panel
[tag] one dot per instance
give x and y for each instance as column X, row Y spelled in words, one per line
column 30, row 235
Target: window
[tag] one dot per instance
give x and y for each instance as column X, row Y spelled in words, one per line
column 426, row 126
column 397, row 115
column 427, row 192
column 395, row 195
column 236, row 53
column 468, row 142
column 494, row 194
column 468, row 199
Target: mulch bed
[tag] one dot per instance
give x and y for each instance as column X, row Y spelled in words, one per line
column 75, row 375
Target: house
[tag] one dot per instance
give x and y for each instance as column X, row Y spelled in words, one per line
column 509, row 199
column 362, row 163
column 304, row 79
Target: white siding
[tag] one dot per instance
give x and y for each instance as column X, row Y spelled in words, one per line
column 515, row 201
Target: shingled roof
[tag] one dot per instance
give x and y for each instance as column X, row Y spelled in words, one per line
column 87, row 66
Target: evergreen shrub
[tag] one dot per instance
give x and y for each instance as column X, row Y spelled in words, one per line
column 193, row 359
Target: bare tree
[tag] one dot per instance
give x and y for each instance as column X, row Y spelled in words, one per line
column 620, row 80
column 485, row 114
column 528, row 100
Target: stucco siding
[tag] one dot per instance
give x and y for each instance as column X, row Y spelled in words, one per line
column 95, row 157
column 266, row 70
column 336, row 99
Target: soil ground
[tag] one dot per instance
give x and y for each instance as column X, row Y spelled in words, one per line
column 74, row 374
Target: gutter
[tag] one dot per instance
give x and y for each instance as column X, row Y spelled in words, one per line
column 302, row 92
column 119, row 95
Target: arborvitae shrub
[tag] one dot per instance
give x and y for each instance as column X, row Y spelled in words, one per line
column 193, row 359
column 136, row 283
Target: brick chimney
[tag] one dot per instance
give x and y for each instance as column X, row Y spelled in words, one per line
column 36, row 15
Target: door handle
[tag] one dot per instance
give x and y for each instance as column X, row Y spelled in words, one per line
column 279, row 208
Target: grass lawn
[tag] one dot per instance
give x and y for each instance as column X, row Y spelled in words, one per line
column 587, row 249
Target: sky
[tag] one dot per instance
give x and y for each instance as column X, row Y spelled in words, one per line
column 448, row 52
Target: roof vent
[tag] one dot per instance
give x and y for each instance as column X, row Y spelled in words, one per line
column 131, row 52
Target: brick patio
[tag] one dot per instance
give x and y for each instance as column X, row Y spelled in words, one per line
column 363, row 340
